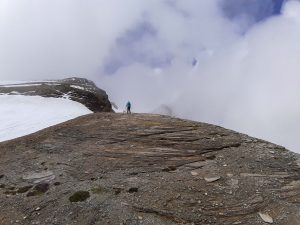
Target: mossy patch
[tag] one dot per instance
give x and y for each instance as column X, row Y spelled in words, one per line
column 98, row 190
column 24, row 189
column 79, row 196
column 34, row 193
column 10, row 192
column 169, row 168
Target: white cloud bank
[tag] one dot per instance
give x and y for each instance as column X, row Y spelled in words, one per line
column 247, row 82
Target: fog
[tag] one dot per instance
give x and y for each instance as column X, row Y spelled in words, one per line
column 230, row 63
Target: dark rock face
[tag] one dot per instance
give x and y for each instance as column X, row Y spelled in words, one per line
column 148, row 169
column 76, row 89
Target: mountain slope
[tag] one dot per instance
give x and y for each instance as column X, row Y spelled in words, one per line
column 76, row 89
column 26, row 107
column 109, row 168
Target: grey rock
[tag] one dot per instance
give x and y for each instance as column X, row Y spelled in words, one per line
column 212, row 179
column 77, row 89
column 152, row 156
column 43, row 176
column 265, row 217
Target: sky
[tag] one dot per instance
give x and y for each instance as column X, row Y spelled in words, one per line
column 232, row 63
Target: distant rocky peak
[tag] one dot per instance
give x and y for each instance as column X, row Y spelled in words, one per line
column 77, row 89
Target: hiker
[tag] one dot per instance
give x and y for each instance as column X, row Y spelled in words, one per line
column 128, row 107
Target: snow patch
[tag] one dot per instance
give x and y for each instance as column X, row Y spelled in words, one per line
column 14, row 92
column 15, row 82
column 20, row 85
column 22, row 115
column 77, row 87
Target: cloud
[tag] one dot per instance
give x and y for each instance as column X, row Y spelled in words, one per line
column 205, row 60
column 50, row 38
column 247, row 82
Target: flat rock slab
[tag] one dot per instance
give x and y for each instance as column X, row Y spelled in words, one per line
column 265, row 217
column 44, row 176
column 146, row 169
column 211, row 179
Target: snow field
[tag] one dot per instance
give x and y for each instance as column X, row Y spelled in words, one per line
column 22, row 115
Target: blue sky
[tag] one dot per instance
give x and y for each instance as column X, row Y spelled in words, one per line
column 256, row 9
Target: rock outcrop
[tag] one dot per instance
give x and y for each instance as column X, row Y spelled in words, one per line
column 109, row 168
column 77, row 89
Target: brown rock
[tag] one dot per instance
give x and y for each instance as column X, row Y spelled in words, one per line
column 156, row 154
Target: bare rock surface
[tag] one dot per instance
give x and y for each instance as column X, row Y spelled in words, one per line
column 77, row 89
column 108, row 168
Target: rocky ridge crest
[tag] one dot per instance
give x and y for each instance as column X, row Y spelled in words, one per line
column 77, row 89
column 109, row 168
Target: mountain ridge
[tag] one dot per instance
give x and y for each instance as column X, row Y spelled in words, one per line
column 77, row 89
column 110, row 168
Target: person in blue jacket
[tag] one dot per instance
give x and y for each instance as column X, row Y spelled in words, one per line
column 128, row 107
